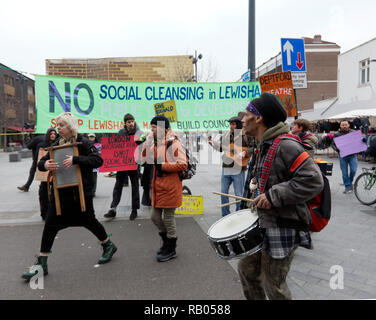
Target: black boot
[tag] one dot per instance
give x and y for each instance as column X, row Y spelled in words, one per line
column 23, row 188
column 42, row 261
column 169, row 251
column 133, row 215
column 111, row 213
column 163, row 235
column 108, row 251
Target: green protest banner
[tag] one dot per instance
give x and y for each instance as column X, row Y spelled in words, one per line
column 100, row 105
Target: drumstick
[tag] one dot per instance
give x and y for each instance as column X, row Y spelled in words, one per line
column 228, row 204
column 231, row 196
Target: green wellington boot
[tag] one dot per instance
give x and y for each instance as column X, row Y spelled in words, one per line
column 108, row 251
column 42, row 261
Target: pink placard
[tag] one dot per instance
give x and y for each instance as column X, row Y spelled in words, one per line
column 118, row 154
column 350, row 143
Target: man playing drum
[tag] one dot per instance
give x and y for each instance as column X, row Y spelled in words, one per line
column 279, row 193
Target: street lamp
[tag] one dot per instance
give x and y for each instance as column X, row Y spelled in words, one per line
column 252, row 39
column 194, row 61
column 20, row 77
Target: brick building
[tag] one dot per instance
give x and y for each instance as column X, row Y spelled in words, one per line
column 322, row 67
column 154, row 69
column 17, row 104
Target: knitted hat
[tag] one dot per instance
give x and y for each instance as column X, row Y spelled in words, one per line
column 238, row 122
column 157, row 119
column 270, row 108
column 128, row 116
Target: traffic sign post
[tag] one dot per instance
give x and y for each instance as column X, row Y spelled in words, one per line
column 294, row 60
column 299, row 80
column 293, row 55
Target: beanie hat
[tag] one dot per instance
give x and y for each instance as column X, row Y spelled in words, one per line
column 270, row 108
column 128, row 116
column 238, row 122
column 157, row 119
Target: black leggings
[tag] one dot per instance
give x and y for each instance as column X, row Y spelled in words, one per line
column 30, row 179
column 43, row 198
column 71, row 216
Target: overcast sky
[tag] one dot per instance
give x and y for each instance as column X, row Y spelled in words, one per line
column 32, row 31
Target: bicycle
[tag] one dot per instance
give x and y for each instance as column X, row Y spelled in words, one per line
column 364, row 188
column 187, row 191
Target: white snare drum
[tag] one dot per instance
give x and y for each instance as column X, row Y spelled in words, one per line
column 236, row 235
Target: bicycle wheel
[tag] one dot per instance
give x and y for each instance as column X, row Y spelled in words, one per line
column 365, row 189
column 187, row 191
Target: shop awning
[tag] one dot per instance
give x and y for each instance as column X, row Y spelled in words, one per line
column 355, row 114
column 19, row 129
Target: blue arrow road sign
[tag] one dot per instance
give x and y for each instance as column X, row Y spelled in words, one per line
column 293, row 55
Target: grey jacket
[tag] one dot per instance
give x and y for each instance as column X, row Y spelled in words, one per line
column 124, row 132
column 287, row 191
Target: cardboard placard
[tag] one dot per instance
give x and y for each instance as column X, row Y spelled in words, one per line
column 41, row 175
column 350, row 143
column 280, row 84
column 118, row 154
column 167, row 109
column 192, row 205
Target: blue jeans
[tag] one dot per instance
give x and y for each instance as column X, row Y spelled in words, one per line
column 352, row 162
column 238, row 184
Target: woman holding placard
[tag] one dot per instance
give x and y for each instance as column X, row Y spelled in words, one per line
column 71, row 212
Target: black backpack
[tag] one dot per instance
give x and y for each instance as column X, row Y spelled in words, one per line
column 190, row 171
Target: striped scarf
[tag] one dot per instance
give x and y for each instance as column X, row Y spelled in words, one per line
column 268, row 159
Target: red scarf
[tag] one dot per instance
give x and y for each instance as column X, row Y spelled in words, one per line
column 269, row 159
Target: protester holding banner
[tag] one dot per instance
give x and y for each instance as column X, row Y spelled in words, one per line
column 235, row 146
column 71, row 212
column 96, row 144
column 130, row 129
column 169, row 159
column 281, row 177
column 301, row 128
column 50, row 138
column 347, row 162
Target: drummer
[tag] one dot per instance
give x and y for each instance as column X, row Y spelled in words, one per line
column 283, row 216
column 71, row 213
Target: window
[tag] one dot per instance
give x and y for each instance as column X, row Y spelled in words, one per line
column 8, row 80
column 364, row 71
